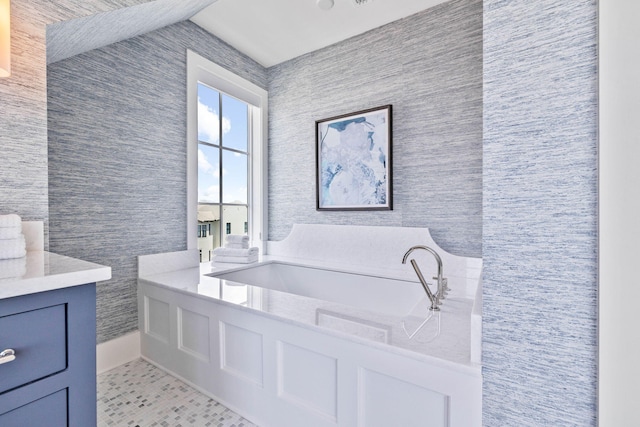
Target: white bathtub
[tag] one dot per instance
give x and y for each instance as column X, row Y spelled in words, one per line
column 286, row 344
column 381, row 295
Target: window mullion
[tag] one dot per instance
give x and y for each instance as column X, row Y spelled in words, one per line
column 249, row 167
column 220, row 167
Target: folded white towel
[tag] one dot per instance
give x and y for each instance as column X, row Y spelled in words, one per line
column 11, row 220
column 236, row 252
column 244, row 245
column 237, row 238
column 13, row 268
column 13, row 248
column 235, row 259
column 10, row 232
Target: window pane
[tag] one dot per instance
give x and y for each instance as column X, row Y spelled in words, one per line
column 235, row 217
column 208, row 230
column 208, row 174
column 208, row 117
column 235, row 123
column 234, row 177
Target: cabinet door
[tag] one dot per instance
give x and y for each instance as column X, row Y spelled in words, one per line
column 50, row 411
column 39, row 339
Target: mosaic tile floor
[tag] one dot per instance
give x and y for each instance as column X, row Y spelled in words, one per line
column 138, row 394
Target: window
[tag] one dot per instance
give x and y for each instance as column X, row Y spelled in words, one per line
column 226, row 137
column 204, row 230
column 223, row 157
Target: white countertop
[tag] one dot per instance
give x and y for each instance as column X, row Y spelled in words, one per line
column 42, row 271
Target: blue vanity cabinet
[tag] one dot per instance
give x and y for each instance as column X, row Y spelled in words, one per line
column 52, row 380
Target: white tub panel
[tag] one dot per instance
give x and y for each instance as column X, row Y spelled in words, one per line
column 279, row 374
column 193, row 333
column 157, row 319
column 308, row 379
column 241, row 352
column 321, row 344
column 385, row 401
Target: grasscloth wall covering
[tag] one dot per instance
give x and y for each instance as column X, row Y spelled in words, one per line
column 117, row 155
column 540, row 213
column 429, row 67
column 23, row 103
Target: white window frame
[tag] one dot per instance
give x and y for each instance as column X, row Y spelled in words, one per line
column 200, row 69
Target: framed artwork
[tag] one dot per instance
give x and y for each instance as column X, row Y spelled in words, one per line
column 353, row 161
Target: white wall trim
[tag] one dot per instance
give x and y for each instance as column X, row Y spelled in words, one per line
column 619, row 228
column 118, row 351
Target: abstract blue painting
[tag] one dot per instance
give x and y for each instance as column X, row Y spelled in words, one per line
column 353, row 155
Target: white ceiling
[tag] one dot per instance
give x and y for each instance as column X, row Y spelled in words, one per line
column 274, row 31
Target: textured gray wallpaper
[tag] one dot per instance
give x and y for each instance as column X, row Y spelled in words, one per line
column 429, row 67
column 23, row 103
column 117, row 155
column 540, row 213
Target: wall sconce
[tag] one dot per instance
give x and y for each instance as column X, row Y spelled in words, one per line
column 5, row 38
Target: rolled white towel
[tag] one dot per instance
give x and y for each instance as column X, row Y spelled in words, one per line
column 236, row 252
column 10, row 232
column 13, row 248
column 237, row 238
column 10, row 220
column 235, row 259
column 13, row 268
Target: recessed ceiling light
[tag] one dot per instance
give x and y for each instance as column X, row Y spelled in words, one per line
column 324, row 4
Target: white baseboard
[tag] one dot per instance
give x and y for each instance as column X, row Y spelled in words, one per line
column 117, row 352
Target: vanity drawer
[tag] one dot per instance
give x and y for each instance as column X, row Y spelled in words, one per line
column 39, row 339
column 50, row 411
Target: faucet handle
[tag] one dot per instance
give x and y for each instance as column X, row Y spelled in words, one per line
column 443, row 289
column 444, row 283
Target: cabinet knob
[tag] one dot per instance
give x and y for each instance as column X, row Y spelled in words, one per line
column 7, row 356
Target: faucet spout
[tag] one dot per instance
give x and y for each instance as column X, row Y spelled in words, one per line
column 435, row 299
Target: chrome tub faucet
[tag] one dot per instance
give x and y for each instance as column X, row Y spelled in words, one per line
column 442, row 282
